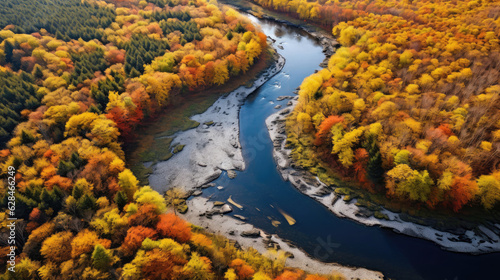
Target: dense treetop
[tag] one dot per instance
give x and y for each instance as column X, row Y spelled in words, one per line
column 67, row 19
column 17, row 96
column 74, row 93
column 409, row 103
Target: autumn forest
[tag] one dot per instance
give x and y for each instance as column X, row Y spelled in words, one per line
column 406, row 115
column 76, row 78
column 408, row 103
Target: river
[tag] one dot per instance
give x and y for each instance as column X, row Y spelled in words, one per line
column 262, row 191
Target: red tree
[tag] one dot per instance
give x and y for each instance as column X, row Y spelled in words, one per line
column 174, row 227
column 134, row 238
column 243, row 270
column 324, row 129
column 162, row 265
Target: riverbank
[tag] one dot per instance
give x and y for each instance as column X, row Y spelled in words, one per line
column 324, row 38
column 211, row 147
column 204, row 213
column 479, row 240
column 214, row 147
column 154, row 143
column 474, row 240
column 259, row 188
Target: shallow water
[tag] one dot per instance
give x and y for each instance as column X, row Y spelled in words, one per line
column 262, row 191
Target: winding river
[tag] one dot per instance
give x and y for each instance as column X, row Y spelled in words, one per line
column 263, row 193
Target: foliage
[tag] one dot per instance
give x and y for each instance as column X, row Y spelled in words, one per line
column 416, row 85
column 141, row 50
column 18, row 97
column 86, row 64
column 67, row 19
column 73, row 86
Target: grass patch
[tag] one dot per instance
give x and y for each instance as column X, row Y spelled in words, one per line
column 342, row 191
column 141, row 173
column 159, row 151
column 347, row 198
column 178, row 148
column 380, row 216
column 183, row 208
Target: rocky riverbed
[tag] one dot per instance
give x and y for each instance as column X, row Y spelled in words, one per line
column 211, row 147
column 210, row 215
column 209, row 150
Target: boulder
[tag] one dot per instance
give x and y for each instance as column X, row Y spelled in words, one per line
column 197, row 193
column 323, row 191
column 208, row 185
column 285, row 112
column 225, row 209
column 231, row 174
column 240, row 217
column 363, row 212
column 254, row 233
column 218, row 203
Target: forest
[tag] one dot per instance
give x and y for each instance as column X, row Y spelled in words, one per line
column 408, row 106
column 75, row 85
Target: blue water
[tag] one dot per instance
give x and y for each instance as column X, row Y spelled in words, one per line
column 317, row 231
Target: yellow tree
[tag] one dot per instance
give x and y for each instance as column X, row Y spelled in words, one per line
column 128, row 183
column 198, row 268
column 160, row 84
column 489, row 189
column 221, row 74
column 57, row 248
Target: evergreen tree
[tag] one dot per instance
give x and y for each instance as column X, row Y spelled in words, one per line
column 239, row 28
column 375, row 170
column 27, row 138
column 65, row 167
column 37, row 72
column 8, row 49
column 121, row 199
column 101, row 258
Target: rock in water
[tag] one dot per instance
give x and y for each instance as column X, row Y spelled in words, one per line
column 220, row 188
column 230, row 200
column 218, row 203
column 254, row 233
column 240, row 217
column 208, row 185
column 231, row 174
column 291, row 221
column 285, row 112
column 225, row 209
column 197, row 193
